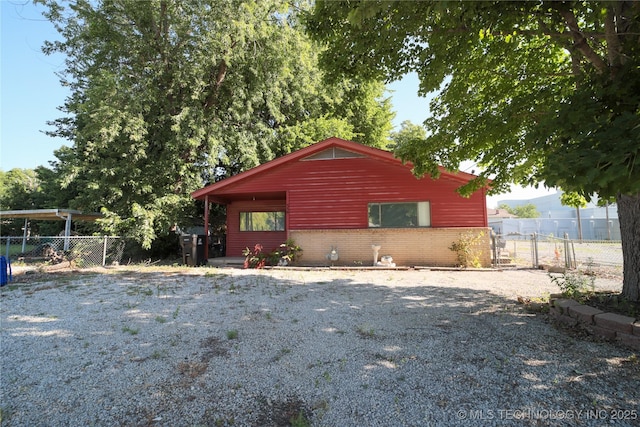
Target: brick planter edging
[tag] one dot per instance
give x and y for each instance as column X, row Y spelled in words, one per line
column 611, row 326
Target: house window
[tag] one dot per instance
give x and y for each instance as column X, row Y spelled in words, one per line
column 413, row 214
column 261, row 221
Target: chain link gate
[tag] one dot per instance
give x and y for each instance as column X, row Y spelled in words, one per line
column 535, row 250
column 84, row 251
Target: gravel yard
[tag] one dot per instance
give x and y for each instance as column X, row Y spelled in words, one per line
column 230, row 347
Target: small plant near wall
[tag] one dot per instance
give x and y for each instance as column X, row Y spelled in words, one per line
column 467, row 249
column 286, row 254
column 255, row 258
column 573, row 284
column 578, row 284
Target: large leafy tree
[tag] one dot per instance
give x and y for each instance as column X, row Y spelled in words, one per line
column 27, row 189
column 543, row 91
column 408, row 133
column 18, row 188
column 577, row 201
column 527, row 210
column 169, row 95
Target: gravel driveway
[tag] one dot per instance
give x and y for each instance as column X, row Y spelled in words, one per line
column 230, row 347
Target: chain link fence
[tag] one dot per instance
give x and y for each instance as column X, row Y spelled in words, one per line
column 602, row 256
column 84, row 251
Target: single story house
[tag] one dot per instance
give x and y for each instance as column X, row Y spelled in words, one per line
column 347, row 197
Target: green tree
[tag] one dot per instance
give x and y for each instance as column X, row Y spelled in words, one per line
column 21, row 189
column 577, row 201
column 18, row 188
column 534, row 92
column 53, row 191
column 28, row 189
column 527, row 210
column 167, row 96
column 409, row 133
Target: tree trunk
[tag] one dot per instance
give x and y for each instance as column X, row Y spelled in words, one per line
column 629, row 215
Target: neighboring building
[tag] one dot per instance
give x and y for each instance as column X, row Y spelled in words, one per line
column 346, row 196
column 498, row 214
column 550, row 207
column 597, row 223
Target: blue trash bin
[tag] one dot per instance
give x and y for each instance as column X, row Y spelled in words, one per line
column 5, row 270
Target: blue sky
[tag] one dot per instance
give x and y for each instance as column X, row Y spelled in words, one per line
column 30, row 89
column 31, row 93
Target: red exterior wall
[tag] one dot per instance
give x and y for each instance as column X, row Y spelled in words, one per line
column 238, row 240
column 335, row 193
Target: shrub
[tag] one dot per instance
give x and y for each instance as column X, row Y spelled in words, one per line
column 255, row 258
column 574, row 284
column 467, row 249
column 286, row 254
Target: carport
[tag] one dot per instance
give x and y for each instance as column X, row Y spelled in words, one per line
column 67, row 215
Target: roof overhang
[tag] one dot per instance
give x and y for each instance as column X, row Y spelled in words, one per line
column 51, row 214
column 219, row 192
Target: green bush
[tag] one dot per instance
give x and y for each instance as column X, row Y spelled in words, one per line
column 286, row 254
column 574, row 284
column 467, row 249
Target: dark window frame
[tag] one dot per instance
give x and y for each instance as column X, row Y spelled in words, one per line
column 248, row 223
column 399, row 215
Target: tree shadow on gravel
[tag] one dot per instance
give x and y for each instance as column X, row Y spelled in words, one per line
column 341, row 350
column 281, row 413
column 480, row 347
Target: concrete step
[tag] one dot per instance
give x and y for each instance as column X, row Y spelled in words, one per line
column 226, row 262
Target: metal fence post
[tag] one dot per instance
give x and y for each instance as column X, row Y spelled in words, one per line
column 104, row 252
column 67, row 232
column 494, row 248
column 534, row 249
column 567, row 253
column 25, row 234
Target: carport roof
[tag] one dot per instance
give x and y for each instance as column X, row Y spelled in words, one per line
column 51, row 214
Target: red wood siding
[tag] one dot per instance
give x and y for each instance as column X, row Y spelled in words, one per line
column 335, row 194
column 238, row 240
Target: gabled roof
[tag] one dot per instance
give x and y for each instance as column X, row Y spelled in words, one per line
column 499, row 213
column 350, row 146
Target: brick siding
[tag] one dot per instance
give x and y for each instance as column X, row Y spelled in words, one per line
column 407, row 246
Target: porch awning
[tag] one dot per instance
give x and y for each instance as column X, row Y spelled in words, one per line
column 50, row 214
